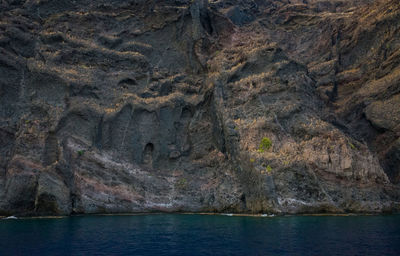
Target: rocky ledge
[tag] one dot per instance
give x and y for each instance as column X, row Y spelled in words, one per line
column 244, row 106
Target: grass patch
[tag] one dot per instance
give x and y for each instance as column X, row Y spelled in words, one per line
column 352, row 145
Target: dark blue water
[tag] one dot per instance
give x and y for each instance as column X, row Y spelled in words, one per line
column 201, row 235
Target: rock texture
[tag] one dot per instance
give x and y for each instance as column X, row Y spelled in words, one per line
column 145, row 105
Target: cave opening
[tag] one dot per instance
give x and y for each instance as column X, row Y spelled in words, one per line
column 147, row 158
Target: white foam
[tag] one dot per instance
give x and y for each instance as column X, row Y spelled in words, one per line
column 10, row 218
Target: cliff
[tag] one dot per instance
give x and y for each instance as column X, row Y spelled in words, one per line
column 273, row 106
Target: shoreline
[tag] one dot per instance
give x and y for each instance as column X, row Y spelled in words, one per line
column 12, row 217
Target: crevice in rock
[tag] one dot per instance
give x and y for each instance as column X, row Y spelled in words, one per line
column 51, row 151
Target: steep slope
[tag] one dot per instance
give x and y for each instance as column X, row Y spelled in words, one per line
column 137, row 106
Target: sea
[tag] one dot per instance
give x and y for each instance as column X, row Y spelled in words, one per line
column 197, row 234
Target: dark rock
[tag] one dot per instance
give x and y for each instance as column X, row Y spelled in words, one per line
column 142, row 105
column 237, row 16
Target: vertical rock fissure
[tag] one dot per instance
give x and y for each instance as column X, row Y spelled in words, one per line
column 126, row 129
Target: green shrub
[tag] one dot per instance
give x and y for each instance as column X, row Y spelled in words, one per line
column 269, row 169
column 181, row 184
column 265, row 144
column 81, row 152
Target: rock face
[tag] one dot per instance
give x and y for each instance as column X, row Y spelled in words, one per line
column 146, row 105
